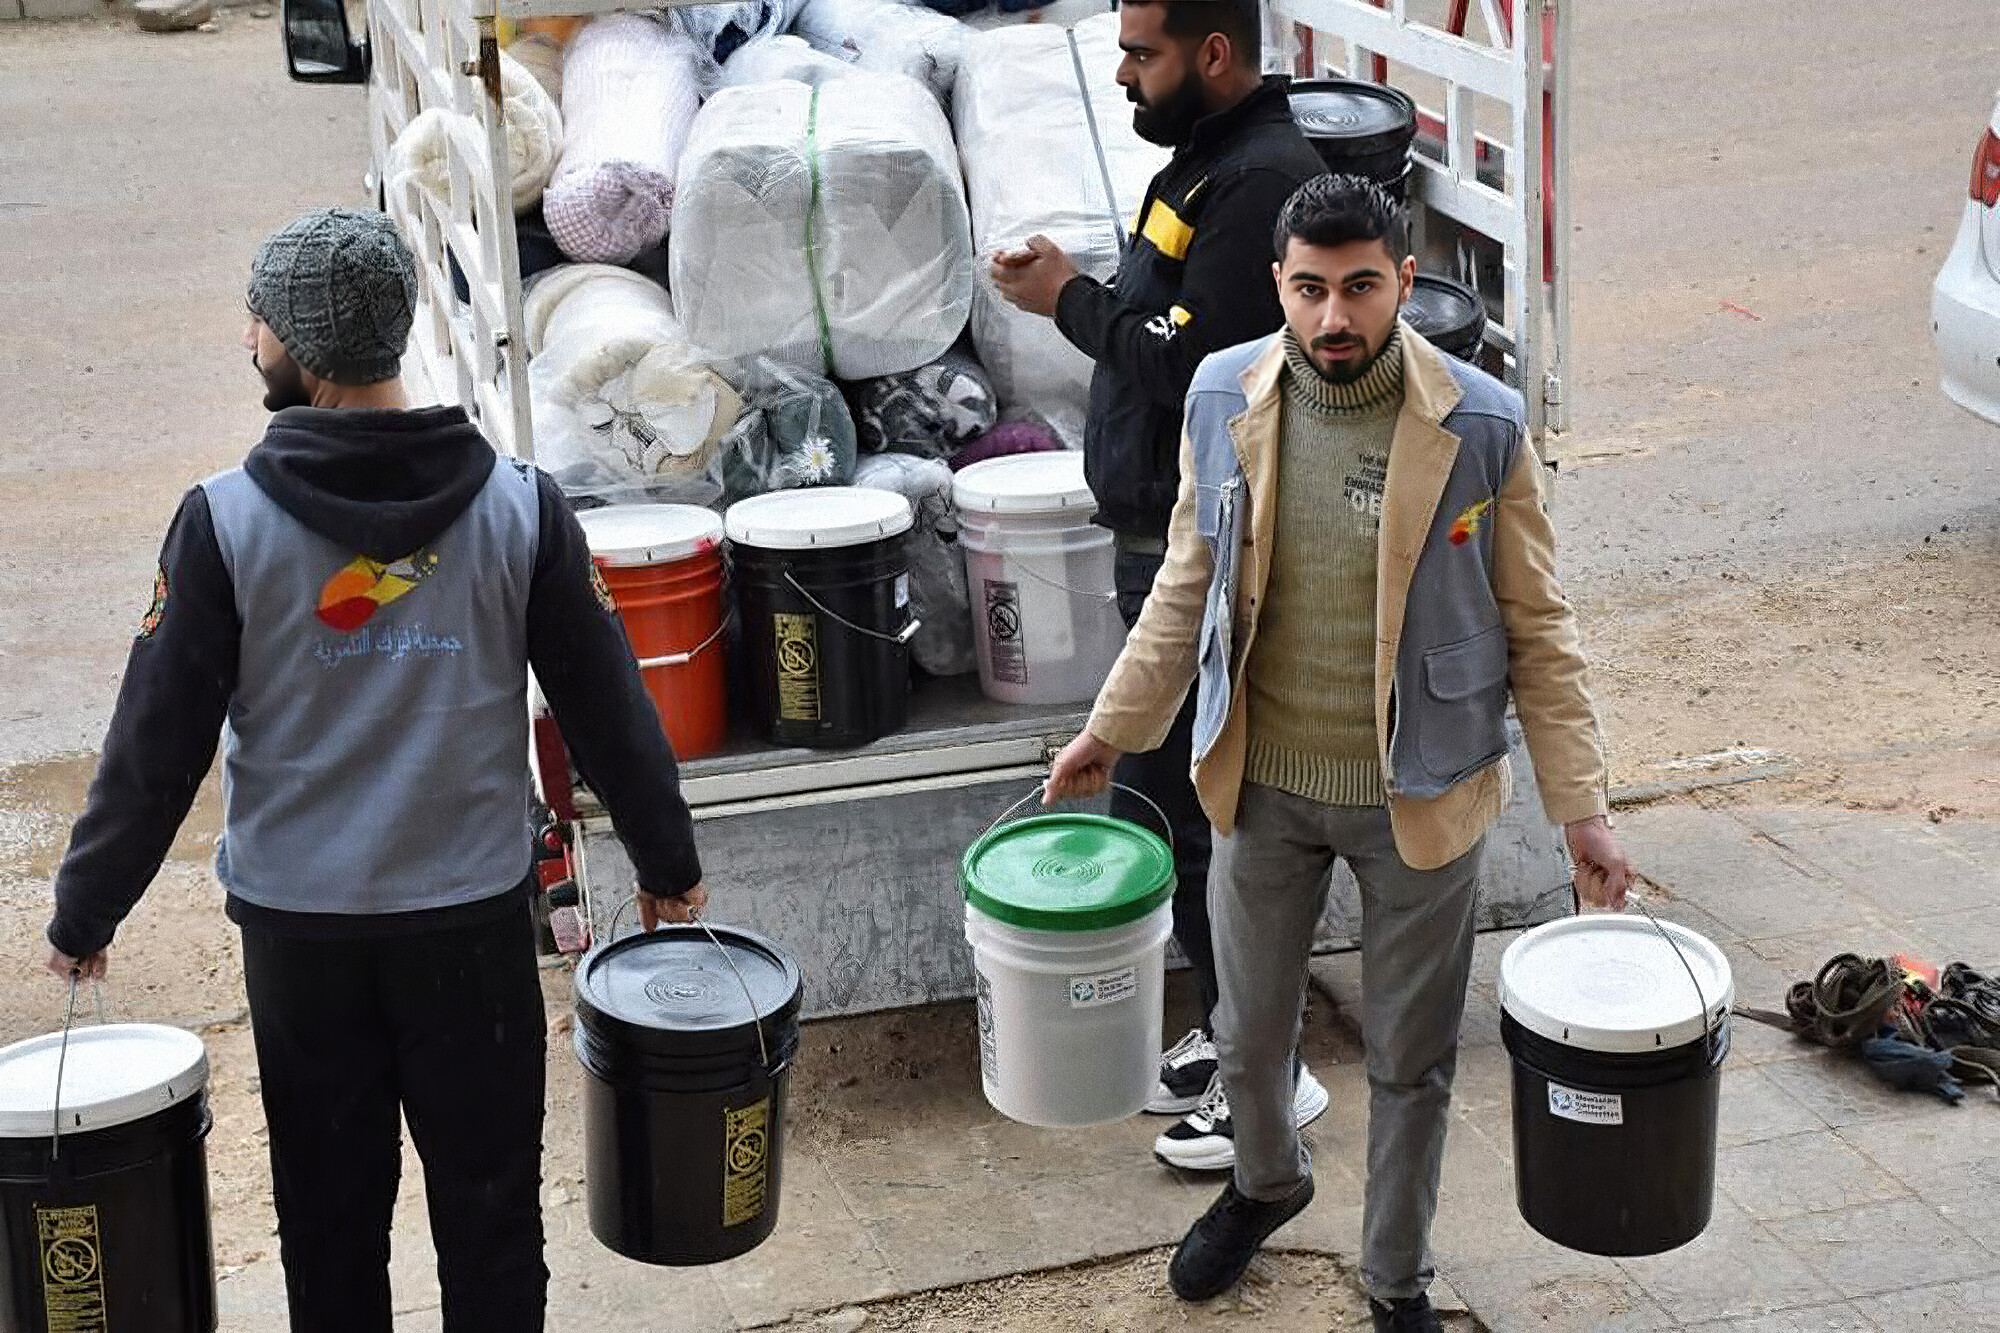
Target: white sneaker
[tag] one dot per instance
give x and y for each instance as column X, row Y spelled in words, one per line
column 1309, row 1099
column 1185, row 1073
column 1205, row 1140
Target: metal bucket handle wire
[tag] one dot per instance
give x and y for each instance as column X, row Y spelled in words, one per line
column 756, row 1019
column 1708, row 1030
column 62, row 1053
column 1041, row 787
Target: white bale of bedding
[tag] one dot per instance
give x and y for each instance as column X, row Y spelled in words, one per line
column 824, row 227
column 623, row 409
column 631, row 87
column 1031, row 167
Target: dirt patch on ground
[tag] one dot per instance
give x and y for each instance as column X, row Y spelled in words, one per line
column 1880, row 681
column 1293, row 1292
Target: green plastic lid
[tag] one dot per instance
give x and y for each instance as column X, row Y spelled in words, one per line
column 1067, row 872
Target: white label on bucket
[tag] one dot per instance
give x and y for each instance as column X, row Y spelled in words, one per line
column 989, row 1051
column 1586, row 1108
column 1104, row 988
column 902, row 591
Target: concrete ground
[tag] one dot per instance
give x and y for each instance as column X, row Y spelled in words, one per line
column 1840, row 1204
column 1777, row 532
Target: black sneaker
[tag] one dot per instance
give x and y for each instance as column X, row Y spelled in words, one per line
column 1185, row 1073
column 1220, row 1246
column 1413, row 1315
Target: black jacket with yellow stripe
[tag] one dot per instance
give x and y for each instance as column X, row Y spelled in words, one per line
column 1195, row 278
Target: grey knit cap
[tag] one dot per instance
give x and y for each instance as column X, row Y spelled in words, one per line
column 339, row 289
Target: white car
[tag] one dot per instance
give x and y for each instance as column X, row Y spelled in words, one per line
column 1965, row 303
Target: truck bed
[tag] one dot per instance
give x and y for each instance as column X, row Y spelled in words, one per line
column 952, row 729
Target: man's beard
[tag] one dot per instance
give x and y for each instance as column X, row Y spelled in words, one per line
column 1170, row 122
column 1347, row 372
column 284, row 385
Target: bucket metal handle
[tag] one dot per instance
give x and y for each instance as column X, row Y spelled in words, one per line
column 1041, row 787
column 1707, row 1034
column 899, row 638
column 682, row 659
column 62, row 1054
column 756, row 1019
column 1106, row 598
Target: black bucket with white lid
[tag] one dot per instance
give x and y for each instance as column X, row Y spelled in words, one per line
column 104, row 1212
column 1617, row 1027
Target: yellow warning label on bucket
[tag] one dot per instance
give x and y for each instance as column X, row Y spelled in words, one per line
column 72, row 1269
column 798, row 666
column 746, row 1159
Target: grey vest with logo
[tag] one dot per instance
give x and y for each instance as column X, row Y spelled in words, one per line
column 376, row 747
column 1448, row 703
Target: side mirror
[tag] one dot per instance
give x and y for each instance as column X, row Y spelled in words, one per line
column 318, row 46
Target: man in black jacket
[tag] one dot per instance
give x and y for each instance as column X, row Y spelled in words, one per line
column 1195, row 279
column 359, row 604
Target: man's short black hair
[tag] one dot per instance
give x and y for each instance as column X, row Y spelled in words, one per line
column 1338, row 209
column 1241, row 21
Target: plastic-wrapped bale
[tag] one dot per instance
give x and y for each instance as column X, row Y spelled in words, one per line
column 888, row 37
column 939, row 597
column 795, row 431
column 769, row 59
column 1060, row 13
column 823, row 227
column 534, row 140
column 724, row 29
column 1031, row 167
column 932, row 411
column 631, row 87
column 623, row 411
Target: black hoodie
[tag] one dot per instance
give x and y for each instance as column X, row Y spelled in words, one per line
column 382, row 484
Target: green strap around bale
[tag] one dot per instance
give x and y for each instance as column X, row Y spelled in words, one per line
column 812, row 239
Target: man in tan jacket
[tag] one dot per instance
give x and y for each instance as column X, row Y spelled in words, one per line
column 1360, row 575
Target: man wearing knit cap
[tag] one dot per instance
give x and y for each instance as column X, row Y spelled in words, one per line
column 355, row 610
column 1360, row 574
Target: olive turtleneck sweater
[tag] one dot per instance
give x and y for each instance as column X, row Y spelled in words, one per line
column 1311, row 674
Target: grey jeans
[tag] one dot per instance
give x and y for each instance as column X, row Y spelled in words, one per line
column 1267, row 887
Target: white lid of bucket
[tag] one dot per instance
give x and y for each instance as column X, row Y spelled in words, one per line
column 1614, row 984
column 649, row 534
column 799, row 520
column 1044, row 483
column 114, row 1074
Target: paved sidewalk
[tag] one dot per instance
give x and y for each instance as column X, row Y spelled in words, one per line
column 1841, row 1205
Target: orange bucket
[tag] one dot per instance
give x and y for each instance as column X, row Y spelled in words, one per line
column 663, row 565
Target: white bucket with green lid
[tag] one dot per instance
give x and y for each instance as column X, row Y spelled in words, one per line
column 1068, row 916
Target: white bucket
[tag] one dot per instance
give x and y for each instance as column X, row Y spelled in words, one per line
column 1068, row 917
column 1044, row 609
column 1069, row 1022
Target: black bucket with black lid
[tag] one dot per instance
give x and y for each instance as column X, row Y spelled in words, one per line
column 687, row 1035
column 1359, row 128
column 104, row 1214
column 1617, row 1027
column 1448, row 314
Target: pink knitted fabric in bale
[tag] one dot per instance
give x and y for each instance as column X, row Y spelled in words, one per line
column 630, row 93
column 1009, row 437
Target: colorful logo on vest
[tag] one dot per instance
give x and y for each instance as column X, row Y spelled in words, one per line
column 1466, row 526
column 351, row 598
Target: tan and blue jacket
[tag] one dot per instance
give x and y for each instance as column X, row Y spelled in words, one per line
column 1469, row 612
